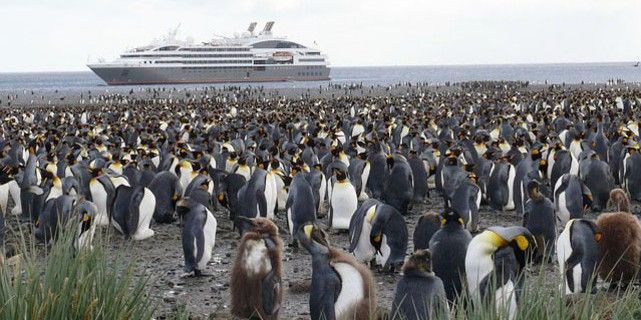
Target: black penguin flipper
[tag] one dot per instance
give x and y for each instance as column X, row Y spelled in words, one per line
column 271, row 289
column 262, row 203
column 111, row 192
column 134, row 210
column 271, row 284
column 120, row 208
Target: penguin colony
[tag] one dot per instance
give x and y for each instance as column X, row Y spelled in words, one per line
column 349, row 165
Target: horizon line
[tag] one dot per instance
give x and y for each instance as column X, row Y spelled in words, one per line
column 388, row 66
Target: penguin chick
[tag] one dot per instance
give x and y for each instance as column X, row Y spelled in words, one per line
column 342, row 288
column 428, row 224
column 419, row 293
column 198, row 235
column 620, row 245
column 256, row 279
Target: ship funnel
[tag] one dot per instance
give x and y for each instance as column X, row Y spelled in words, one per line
column 268, row 26
column 252, row 27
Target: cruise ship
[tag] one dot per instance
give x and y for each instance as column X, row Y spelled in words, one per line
column 249, row 57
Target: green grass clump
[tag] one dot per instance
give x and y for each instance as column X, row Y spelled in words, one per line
column 65, row 284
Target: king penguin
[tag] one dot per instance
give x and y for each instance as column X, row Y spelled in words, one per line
column 86, row 226
column 342, row 288
column 539, row 219
column 132, row 211
column 448, row 247
column 428, row 224
column 198, row 235
column 343, row 200
column 300, row 204
column 166, row 189
column 571, row 198
column 577, row 252
column 494, row 260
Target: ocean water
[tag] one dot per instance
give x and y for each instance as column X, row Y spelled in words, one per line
column 535, row 73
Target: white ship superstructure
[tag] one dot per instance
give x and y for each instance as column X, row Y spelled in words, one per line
column 249, row 57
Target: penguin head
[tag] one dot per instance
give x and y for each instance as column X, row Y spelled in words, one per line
column 419, row 262
column 258, row 225
column 519, row 238
column 87, row 212
column 313, row 238
column 534, row 190
column 450, row 216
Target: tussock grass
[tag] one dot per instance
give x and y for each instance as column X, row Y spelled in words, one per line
column 65, row 284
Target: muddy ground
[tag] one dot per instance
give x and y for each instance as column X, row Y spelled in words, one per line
column 161, row 258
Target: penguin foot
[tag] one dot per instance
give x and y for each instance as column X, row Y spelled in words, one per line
column 199, row 274
column 142, row 235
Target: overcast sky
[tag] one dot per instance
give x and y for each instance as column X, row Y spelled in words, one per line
column 60, row 35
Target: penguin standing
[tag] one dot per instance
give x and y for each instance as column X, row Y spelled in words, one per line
column 501, row 185
column 252, row 199
column 448, row 247
column 399, row 187
column 620, row 244
column 300, row 204
column 420, row 176
column 495, row 260
column 342, row 288
column 596, row 175
column 419, row 293
column 256, row 279
column 343, row 200
column 632, row 172
column 539, row 219
column 577, row 251
column 198, row 235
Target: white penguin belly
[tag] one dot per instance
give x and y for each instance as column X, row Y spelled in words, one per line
column 383, row 255
column 351, row 288
column 563, row 214
column 4, row 197
column 99, row 197
column 209, row 231
column 14, row 191
column 510, row 188
column 282, row 192
column 145, row 212
column 290, row 223
column 364, row 177
column 322, row 193
column 344, row 203
column 505, row 298
column 119, row 181
column 478, row 264
column 256, row 258
column 271, row 195
column 365, row 251
column 86, row 238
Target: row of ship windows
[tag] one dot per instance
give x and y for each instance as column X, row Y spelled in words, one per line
column 309, row 74
column 310, row 60
column 205, row 61
column 313, row 67
column 245, row 55
column 213, row 49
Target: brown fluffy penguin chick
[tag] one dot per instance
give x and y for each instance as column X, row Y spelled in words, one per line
column 620, row 244
column 256, row 290
column 619, row 199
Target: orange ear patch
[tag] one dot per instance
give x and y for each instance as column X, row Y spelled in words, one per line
column 598, row 236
